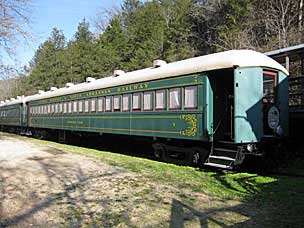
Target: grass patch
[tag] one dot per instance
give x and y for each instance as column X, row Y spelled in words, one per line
column 227, row 185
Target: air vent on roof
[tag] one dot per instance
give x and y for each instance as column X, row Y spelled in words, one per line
column 159, row 63
column 53, row 88
column 69, row 84
column 90, row 79
column 118, row 73
column 12, row 99
column 7, row 100
column 41, row 91
column 2, row 102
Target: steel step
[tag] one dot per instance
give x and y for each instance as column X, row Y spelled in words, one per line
column 224, row 150
column 219, row 165
column 222, row 158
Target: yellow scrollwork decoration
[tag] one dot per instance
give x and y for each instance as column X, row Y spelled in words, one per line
column 191, row 121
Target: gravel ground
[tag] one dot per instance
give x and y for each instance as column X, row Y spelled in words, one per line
column 47, row 187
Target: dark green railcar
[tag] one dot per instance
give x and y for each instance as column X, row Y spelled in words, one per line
column 212, row 109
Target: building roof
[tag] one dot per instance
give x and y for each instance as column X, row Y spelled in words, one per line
column 293, row 52
column 221, row 60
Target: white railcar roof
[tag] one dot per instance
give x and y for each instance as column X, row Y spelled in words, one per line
column 221, row 60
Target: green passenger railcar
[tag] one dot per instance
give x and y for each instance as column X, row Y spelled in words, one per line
column 213, row 110
column 113, row 110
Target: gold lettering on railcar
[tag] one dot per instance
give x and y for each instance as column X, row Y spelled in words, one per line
column 130, row 88
column 191, row 122
column 74, row 122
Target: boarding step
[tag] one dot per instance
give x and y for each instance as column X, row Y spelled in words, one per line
column 219, row 165
column 222, row 158
column 225, row 150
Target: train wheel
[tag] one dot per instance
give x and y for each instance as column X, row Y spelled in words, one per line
column 199, row 156
column 159, row 151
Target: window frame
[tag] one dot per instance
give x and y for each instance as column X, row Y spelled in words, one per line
column 106, row 110
column 143, row 101
column 180, row 98
column 119, row 103
column 86, row 108
column 75, row 104
column 165, row 100
column 139, row 101
column 80, row 103
column 102, row 109
column 91, row 105
column 129, row 102
column 70, row 107
column 65, row 107
column 195, row 97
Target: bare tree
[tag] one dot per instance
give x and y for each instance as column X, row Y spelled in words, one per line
column 282, row 16
column 14, row 23
column 103, row 17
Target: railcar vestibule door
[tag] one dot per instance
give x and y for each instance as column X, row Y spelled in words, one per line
column 248, row 100
column 223, row 104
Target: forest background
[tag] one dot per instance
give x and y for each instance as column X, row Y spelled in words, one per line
column 131, row 36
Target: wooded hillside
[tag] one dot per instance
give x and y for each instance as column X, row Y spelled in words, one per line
column 137, row 33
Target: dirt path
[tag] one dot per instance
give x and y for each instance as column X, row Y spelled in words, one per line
column 47, row 187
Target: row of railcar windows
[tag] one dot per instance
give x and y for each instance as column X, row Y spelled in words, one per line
column 142, row 101
column 10, row 113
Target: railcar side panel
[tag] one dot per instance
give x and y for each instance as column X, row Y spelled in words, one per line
column 194, row 124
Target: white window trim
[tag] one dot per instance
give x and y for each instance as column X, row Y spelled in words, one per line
column 108, row 98
column 117, row 109
column 192, row 105
column 102, row 99
column 151, row 101
column 138, row 108
column 123, row 103
column 179, row 99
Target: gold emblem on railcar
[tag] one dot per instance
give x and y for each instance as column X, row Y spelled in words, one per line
column 191, row 122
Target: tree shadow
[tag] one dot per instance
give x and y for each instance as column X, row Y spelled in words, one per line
column 71, row 179
column 277, row 203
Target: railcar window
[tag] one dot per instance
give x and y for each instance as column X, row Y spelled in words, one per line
column 60, row 108
column 160, row 99
column 190, row 100
column 80, row 106
column 126, row 102
column 269, row 85
column 93, row 105
column 147, row 101
column 65, row 107
column 70, row 107
column 136, row 101
column 116, row 103
column 56, row 108
column 174, row 98
column 49, row 109
column 75, row 106
column 45, row 109
column 108, row 104
column 86, row 105
column 100, row 104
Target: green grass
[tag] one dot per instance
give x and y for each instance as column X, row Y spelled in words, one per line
column 227, row 185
